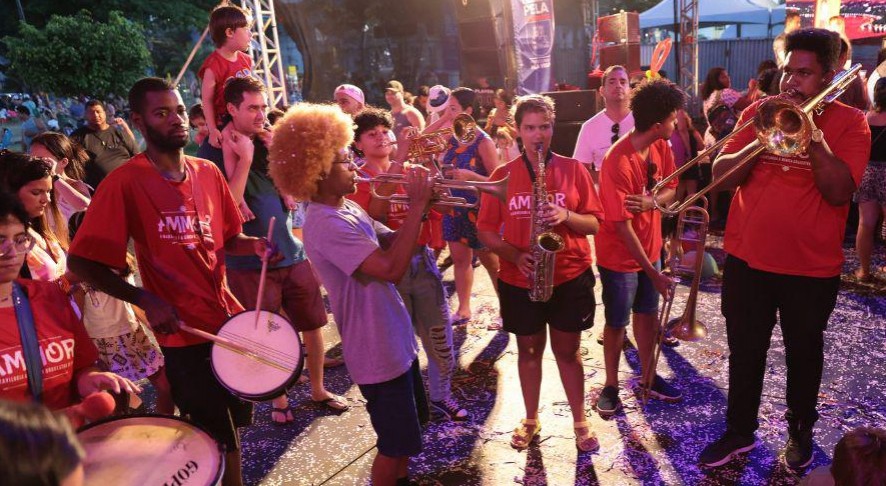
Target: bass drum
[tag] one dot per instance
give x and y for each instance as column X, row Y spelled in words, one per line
column 275, row 341
column 150, row 449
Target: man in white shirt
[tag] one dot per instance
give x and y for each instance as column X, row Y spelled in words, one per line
column 603, row 129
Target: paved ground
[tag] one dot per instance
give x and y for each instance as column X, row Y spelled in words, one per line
column 655, row 446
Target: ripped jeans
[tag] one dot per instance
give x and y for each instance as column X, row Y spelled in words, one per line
column 422, row 291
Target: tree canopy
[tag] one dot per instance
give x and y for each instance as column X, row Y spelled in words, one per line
column 78, row 54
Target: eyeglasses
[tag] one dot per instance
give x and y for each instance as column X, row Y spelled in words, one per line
column 615, row 131
column 651, row 169
column 21, row 243
column 346, row 157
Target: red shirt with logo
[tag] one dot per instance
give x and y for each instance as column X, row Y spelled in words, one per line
column 396, row 211
column 570, row 186
column 224, row 70
column 779, row 222
column 179, row 230
column 624, row 173
column 65, row 347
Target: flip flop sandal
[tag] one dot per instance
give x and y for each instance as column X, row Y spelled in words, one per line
column 287, row 415
column 525, row 433
column 586, row 442
column 335, row 403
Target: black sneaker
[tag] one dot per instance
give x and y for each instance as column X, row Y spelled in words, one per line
column 662, row 390
column 450, row 409
column 608, row 402
column 726, row 448
column 798, row 452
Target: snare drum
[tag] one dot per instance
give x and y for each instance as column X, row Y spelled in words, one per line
column 150, row 449
column 274, row 339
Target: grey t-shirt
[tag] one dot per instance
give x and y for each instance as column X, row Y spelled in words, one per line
column 376, row 331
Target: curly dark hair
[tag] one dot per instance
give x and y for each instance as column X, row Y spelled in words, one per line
column 370, row 118
column 653, row 101
column 712, row 82
column 824, row 43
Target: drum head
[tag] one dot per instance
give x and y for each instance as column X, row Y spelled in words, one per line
column 150, row 449
column 274, row 339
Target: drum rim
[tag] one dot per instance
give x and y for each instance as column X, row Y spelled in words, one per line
column 219, row 445
column 276, row 392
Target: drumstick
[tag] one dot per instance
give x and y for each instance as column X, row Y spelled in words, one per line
column 232, row 346
column 264, row 273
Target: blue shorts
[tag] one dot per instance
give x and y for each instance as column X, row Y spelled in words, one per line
column 393, row 411
column 624, row 292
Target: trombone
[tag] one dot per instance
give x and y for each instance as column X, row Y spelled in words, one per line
column 781, row 126
column 686, row 327
column 464, row 128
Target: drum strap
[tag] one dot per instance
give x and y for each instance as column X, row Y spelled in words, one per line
column 30, row 345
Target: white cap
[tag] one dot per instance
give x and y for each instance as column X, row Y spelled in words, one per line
column 352, row 91
column 438, row 98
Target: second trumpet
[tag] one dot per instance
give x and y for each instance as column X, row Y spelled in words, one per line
column 441, row 188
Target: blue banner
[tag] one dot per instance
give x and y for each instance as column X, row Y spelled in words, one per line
column 533, row 42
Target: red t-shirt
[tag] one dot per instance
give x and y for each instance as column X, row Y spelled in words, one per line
column 65, row 347
column 396, row 211
column 624, row 173
column 778, row 221
column 569, row 185
column 180, row 255
column 224, row 70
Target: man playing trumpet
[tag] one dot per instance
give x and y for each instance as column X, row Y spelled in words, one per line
column 784, row 244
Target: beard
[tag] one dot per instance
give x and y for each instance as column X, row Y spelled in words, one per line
column 163, row 141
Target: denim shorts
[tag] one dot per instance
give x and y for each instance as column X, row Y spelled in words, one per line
column 624, row 292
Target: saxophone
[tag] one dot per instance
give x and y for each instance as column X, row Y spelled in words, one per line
column 543, row 243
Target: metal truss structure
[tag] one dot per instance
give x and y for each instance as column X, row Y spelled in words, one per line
column 688, row 49
column 267, row 56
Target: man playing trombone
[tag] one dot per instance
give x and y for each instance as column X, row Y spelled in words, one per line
column 784, row 243
column 629, row 243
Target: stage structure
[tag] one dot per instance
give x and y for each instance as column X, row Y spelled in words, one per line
column 267, row 56
column 687, row 51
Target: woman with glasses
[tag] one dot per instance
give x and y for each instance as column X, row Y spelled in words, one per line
column 629, row 242
column 36, row 313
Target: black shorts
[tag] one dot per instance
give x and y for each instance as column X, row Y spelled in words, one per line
column 570, row 309
column 397, row 408
column 199, row 395
column 692, row 174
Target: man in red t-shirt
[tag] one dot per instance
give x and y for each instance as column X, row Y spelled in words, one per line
column 422, row 286
column 629, row 242
column 784, row 240
column 571, row 211
column 181, row 215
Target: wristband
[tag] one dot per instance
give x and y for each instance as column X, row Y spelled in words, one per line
column 567, row 216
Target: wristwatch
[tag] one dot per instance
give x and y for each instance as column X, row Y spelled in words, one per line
column 817, row 135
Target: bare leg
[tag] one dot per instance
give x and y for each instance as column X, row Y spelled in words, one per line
column 386, row 470
column 490, row 262
column 464, row 277
column 613, row 340
column 529, row 353
column 165, row 404
column 233, row 473
column 645, row 334
column 868, row 212
column 565, row 347
column 314, row 349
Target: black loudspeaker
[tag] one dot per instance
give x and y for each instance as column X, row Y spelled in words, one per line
column 620, row 28
column 574, row 106
column 627, row 55
column 482, row 35
column 565, row 136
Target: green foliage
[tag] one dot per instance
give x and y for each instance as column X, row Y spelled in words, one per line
column 77, row 54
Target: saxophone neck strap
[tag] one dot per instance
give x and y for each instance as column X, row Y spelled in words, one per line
column 30, row 343
column 528, row 164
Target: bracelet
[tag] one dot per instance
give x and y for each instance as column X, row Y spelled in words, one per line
column 567, row 216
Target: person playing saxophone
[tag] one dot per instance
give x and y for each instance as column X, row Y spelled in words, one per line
column 569, row 208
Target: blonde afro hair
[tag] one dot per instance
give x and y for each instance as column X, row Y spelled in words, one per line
column 306, row 142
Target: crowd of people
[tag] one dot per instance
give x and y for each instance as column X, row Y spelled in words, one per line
column 111, row 256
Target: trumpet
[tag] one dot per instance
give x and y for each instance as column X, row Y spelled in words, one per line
column 782, row 127
column 464, row 128
column 441, row 188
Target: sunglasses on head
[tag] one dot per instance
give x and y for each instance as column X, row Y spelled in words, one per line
column 615, row 130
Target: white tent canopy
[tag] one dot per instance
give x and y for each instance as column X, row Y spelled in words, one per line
column 717, row 12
